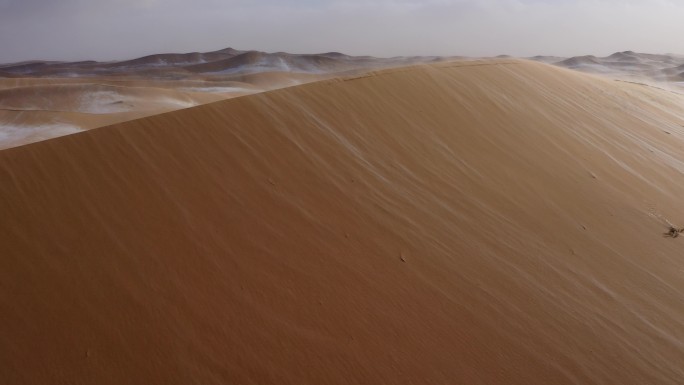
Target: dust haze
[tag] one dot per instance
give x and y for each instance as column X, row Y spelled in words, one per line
column 105, row 30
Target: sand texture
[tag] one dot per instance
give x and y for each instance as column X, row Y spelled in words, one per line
column 41, row 99
column 492, row 222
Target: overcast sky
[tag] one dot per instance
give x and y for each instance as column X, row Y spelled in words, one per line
column 121, row 29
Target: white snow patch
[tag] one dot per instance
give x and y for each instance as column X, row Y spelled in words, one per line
column 109, row 102
column 176, row 102
column 13, row 135
column 283, row 65
column 217, row 90
column 102, row 102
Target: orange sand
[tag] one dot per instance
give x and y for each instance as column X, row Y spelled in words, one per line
column 497, row 222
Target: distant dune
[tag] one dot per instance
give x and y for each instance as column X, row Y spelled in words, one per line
column 92, row 98
column 45, row 96
column 490, row 222
column 262, row 62
column 37, row 112
column 174, row 66
column 627, row 65
column 31, row 100
column 580, row 61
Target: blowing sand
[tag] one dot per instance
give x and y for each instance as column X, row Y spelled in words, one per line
column 39, row 105
column 496, row 222
column 37, row 95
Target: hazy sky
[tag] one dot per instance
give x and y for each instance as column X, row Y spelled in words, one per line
column 120, row 29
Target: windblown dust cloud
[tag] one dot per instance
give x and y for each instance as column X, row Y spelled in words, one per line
column 457, row 223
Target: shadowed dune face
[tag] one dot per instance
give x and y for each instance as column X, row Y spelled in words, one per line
column 461, row 223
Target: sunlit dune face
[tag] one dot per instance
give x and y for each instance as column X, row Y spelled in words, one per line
column 88, row 95
column 487, row 222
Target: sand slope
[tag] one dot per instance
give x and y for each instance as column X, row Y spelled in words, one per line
column 461, row 223
column 38, row 112
column 38, row 99
column 47, row 105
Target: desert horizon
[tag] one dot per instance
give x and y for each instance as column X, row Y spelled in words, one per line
column 45, row 99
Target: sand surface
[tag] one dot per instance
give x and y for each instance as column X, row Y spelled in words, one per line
column 33, row 109
column 40, row 99
column 495, row 222
column 45, row 99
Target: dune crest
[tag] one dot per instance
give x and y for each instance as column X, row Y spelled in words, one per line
column 458, row 223
column 38, row 95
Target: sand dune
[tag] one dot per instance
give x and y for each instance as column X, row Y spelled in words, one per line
column 627, row 65
column 97, row 68
column 7, row 75
column 38, row 112
column 215, row 64
column 331, row 62
column 12, row 135
column 264, row 80
column 135, row 83
column 92, row 98
column 578, row 61
column 31, row 105
column 130, row 89
column 462, row 223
